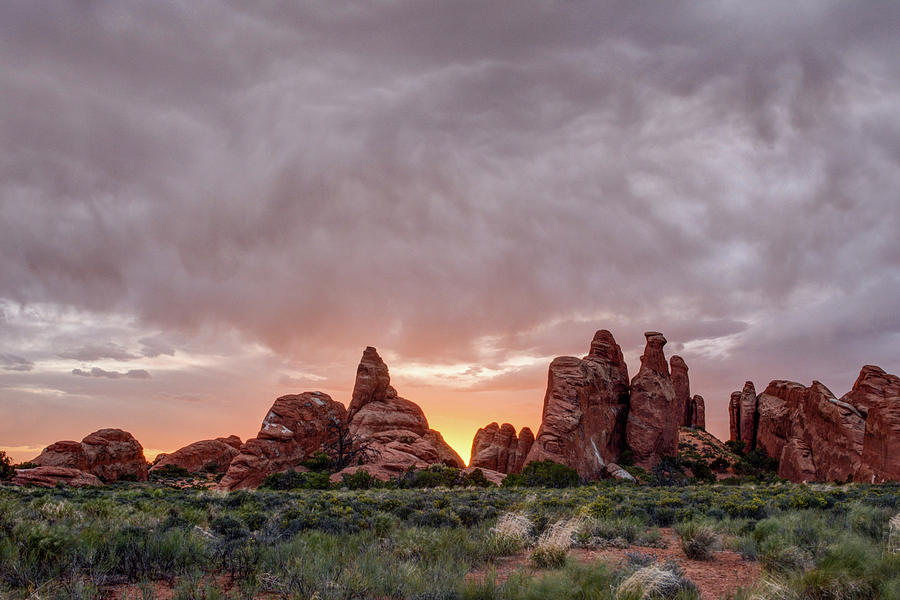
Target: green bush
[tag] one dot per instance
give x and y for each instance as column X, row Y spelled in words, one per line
column 359, row 480
column 170, row 471
column 543, row 474
column 293, row 480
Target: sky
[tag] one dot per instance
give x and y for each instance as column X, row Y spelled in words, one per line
column 206, row 205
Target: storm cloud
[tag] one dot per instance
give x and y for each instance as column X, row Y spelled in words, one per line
column 262, row 191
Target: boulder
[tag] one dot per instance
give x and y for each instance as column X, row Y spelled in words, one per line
column 495, row 477
column 614, row 471
column 294, row 429
column 394, row 428
column 698, row 412
column 682, row 386
column 655, row 413
column 211, row 456
column 585, row 409
column 51, row 476
column 498, row 448
column 110, row 454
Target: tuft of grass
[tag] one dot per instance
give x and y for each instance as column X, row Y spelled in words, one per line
column 552, row 547
column 697, row 541
column 657, row 582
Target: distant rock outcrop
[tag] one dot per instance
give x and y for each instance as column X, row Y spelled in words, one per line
column 816, row 437
column 698, row 412
column 734, row 416
column 211, row 456
column 109, row 454
column 585, row 410
column 682, row 385
column 52, row 476
column 498, row 448
column 394, row 428
column 293, row 430
column 748, row 416
column 655, row 413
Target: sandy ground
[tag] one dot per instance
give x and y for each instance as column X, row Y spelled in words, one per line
column 716, row 578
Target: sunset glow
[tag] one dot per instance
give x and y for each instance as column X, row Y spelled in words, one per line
column 204, row 206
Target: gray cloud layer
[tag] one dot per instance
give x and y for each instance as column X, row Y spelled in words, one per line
column 426, row 177
column 98, row 372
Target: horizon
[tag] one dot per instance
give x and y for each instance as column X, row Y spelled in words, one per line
column 205, row 207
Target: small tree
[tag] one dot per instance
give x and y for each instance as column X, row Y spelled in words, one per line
column 6, row 469
column 345, row 449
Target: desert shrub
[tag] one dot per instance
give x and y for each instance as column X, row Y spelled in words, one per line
column 318, row 462
column 602, row 508
column 544, row 473
column 668, row 472
column 719, row 464
column 735, row 446
column 475, row 478
column 359, row 480
column 700, row 470
column 437, row 475
column 170, row 471
column 697, row 541
column 293, row 480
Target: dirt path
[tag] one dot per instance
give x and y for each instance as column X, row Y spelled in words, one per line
column 716, row 578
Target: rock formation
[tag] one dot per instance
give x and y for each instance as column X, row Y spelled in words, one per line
column 52, row 476
column 293, row 430
column 698, row 412
column 212, row 456
column 585, row 409
column 655, row 413
column 816, row 437
column 734, row 416
column 876, row 395
column 110, row 454
column 498, row 448
column 748, row 416
column 395, row 428
column 682, row 385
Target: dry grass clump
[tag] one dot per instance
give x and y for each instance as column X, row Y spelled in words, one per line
column 655, row 582
column 511, row 534
column 552, row 547
column 893, row 542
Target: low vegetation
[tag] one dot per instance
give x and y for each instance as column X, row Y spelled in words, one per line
column 817, row 542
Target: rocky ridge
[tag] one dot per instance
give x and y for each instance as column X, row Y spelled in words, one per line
column 817, row 437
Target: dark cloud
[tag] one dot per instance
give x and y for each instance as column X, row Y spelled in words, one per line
column 98, row 352
column 456, row 182
column 152, row 347
column 11, row 362
column 98, row 372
